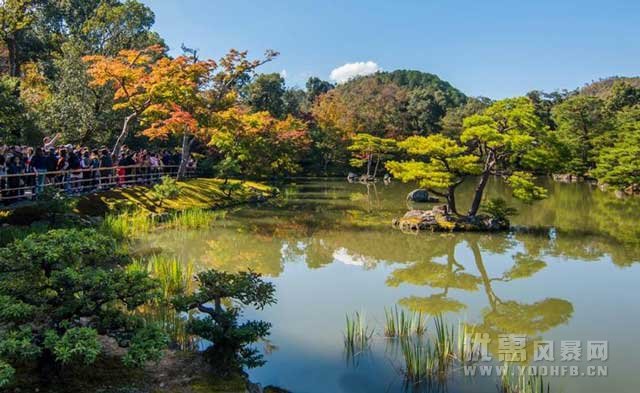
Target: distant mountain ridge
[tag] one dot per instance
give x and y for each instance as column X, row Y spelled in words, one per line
column 413, row 80
column 602, row 88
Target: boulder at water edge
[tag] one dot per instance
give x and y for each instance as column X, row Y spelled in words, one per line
column 421, row 196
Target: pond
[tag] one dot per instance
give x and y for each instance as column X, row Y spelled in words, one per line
column 329, row 247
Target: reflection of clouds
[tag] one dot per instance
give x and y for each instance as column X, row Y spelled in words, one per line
column 342, row 255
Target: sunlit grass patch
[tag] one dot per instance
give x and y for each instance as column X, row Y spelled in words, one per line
column 198, row 193
column 128, row 224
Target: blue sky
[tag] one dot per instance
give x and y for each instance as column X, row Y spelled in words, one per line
column 492, row 48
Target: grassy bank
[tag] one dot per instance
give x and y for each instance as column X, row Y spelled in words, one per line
column 194, row 194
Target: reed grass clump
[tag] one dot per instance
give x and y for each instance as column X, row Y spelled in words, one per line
column 467, row 349
column 514, row 380
column 194, row 218
column 443, row 343
column 357, row 334
column 401, row 323
column 419, row 324
column 128, row 224
column 175, row 277
column 429, row 359
column 419, row 361
column 132, row 224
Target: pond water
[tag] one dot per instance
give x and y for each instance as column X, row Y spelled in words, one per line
column 330, row 250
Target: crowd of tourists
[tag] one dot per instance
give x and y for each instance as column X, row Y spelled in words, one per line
column 25, row 171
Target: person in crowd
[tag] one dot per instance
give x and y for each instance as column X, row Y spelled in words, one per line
column 61, row 167
column 25, row 171
column 95, row 166
column 40, row 166
column 49, row 143
column 14, row 169
column 75, row 176
column 3, row 177
column 106, row 173
column 85, row 166
column 52, row 165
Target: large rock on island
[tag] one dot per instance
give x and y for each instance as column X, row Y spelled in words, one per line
column 421, row 196
column 439, row 219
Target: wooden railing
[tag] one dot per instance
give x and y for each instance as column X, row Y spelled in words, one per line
column 25, row 186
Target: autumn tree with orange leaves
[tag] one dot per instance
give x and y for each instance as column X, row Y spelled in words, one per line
column 133, row 75
column 172, row 96
column 193, row 114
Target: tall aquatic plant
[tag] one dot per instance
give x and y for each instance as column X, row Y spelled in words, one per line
column 401, row 323
column 357, row 334
column 175, row 278
column 443, row 343
column 419, row 324
column 513, row 380
column 419, row 361
column 129, row 224
column 391, row 326
column 194, row 219
column 132, row 224
column 467, row 348
column 429, row 359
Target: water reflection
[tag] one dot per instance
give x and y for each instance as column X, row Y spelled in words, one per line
column 500, row 283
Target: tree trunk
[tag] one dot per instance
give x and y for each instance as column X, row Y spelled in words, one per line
column 186, row 150
column 12, row 49
column 484, row 179
column 477, row 256
column 451, row 200
column 123, row 134
column 375, row 171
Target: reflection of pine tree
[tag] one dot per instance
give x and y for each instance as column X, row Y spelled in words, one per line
column 502, row 316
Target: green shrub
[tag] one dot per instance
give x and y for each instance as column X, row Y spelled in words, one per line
column 231, row 349
column 77, row 344
column 167, row 189
column 498, row 209
column 6, row 374
column 55, row 203
column 60, row 289
column 10, row 233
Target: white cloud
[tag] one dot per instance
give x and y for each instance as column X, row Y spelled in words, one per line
column 350, row 70
column 283, row 74
column 342, row 255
